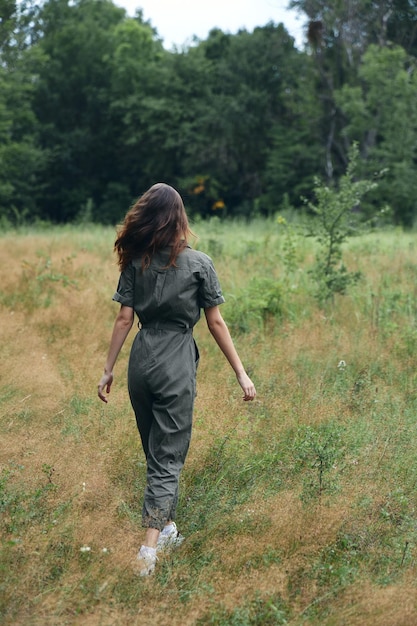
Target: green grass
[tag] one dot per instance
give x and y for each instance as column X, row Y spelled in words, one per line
column 297, row 509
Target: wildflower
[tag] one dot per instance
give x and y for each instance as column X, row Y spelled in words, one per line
column 341, row 365
column 281, row 220
column 105, row 550
column 85, row 549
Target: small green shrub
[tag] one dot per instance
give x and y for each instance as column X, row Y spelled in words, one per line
column 318, row 448
column 252, row 306
column 337, row 217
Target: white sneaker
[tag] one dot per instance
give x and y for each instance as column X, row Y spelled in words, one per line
column 146, row 560
column 169, row 538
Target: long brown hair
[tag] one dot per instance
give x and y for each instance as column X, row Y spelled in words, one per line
column 156, row 220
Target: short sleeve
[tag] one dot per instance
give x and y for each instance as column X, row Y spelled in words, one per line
column 126, row 288
column 210, row 293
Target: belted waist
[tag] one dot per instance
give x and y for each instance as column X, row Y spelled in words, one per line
column 165, row 325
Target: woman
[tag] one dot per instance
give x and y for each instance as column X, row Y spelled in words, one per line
column 166, row 284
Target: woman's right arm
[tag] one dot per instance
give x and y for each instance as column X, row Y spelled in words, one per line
column 122, row 325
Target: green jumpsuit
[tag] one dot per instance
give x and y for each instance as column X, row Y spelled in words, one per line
column 163, row 364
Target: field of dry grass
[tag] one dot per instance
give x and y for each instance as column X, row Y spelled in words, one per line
column 299, row 508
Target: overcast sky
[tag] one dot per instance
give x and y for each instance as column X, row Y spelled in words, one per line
column 177, row 21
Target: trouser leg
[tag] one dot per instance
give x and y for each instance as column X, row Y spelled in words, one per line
column 140, row 394
column 169, row 441
column 162, row 391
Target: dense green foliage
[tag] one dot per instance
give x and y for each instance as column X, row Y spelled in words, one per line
column 93, row 110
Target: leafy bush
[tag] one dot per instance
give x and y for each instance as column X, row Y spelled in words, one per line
column 252, row 306
column 337, row 217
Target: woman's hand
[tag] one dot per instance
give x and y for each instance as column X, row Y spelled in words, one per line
column 247, row 386
column 104, row 384
column 122, row 325
column 220, row 332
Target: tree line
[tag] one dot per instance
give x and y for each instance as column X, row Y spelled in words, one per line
column 93, row 110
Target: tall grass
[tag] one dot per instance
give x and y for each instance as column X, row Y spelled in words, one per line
column 297, row 509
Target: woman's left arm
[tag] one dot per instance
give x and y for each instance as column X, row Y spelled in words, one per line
column 122, row 325
column 218, row 328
